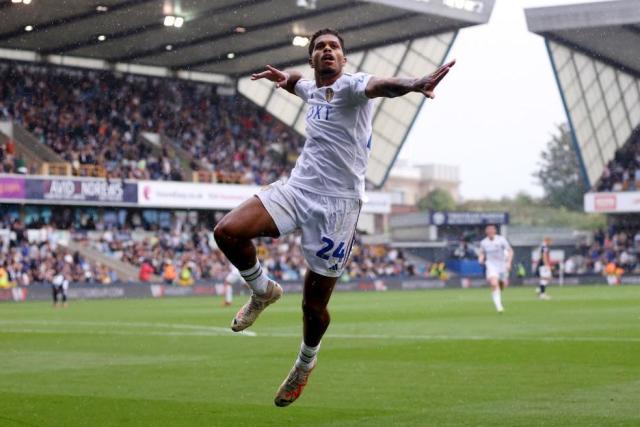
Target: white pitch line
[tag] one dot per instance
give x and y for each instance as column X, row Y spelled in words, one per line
column 199, row 330
column 129, row 333
column 195, row 328
column 458, row 337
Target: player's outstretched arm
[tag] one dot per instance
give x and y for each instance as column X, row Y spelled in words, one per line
column 395, row 86
column 284, row 79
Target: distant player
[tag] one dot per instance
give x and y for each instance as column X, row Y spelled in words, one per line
column 59, row 287
column 544, row 269
column 323, row 196
column 233, row 278
column 496, row 255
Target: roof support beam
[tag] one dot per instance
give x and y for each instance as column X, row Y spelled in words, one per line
column 287, row 42
column 230, row 32
column 146, row 28
column 65, row 20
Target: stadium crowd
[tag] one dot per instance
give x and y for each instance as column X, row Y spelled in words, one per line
column 25, row 260
column 623, row 172
column 184, row 257
column 612, row 251
column 10, row 161
column 95, row 118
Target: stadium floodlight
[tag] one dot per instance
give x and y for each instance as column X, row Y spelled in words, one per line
column 26, row 1
column 16, row 1
column 169, row 21
column 101, row 8
column 231, row 55
column 28, row 28
column 173, row 21
column 306, row 4
column 168, row 47
column 102, row 37
column 300, row 41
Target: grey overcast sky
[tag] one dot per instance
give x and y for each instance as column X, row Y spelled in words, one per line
column 494, row 112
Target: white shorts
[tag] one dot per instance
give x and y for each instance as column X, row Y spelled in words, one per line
column 499, row 272
column 545, row 272
column 328, row 224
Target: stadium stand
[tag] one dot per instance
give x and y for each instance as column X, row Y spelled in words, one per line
column 26, row 261
column 96, row 126
column 615, row 247
column 622, row 173
column 194, row 255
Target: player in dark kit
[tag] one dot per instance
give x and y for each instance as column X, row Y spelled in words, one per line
column 543, row 269
column 323, row 195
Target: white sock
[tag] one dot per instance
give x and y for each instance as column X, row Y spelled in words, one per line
column 228, row 294
column 307, row 355
column 497, row 298
column 256, row 278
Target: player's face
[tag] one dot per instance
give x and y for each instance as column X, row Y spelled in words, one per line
column 327, row 57
column 490, row 231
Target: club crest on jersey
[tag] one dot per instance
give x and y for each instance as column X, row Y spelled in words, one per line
column 328, row 94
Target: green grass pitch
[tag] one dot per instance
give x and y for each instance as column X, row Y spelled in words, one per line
column 433, row 358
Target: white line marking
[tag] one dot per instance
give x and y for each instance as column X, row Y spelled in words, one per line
column 200, row 330
column 204, row 330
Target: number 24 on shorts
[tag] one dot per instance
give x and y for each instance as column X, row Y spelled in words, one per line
column 328, row 245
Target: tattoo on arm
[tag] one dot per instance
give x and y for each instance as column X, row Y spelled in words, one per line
column 390, row 87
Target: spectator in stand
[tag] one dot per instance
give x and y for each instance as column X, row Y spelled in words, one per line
column 169, row 273
column 96, row 125
column 623, row 172
column 146, row 271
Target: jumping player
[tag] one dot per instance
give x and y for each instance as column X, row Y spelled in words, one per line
column 323, row 195
column 496, row 255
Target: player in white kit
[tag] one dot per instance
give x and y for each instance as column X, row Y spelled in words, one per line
column 323, row 195
column 496, row 254
column 233, row 278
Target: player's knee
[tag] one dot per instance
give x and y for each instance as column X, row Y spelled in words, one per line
column 223, row 231
column 313, row 310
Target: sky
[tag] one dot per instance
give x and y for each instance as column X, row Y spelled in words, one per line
column 495, row 111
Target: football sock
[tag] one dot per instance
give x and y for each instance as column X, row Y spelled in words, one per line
column 543, row 289
column 306, row 355
column 228, row 294
column 256, row 278
column 497, row 298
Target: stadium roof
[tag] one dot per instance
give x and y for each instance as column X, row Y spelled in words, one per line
column 223, row 41
column 609, row 31
column 594, row 50
column 230, row 37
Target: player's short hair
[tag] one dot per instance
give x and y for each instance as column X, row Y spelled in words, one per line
column 322, row 32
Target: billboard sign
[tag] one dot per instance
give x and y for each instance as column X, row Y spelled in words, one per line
column 469, row 218
column 612, row 202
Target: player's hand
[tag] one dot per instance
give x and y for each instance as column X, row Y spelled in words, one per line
column 280, row 78
column 427, row 85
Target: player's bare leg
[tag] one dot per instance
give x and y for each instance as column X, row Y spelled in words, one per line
column 233, row 235
column 496, row 293
column 316, row 294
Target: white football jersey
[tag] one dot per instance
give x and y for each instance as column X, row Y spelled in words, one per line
column 334, row 159
column 495, row 251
